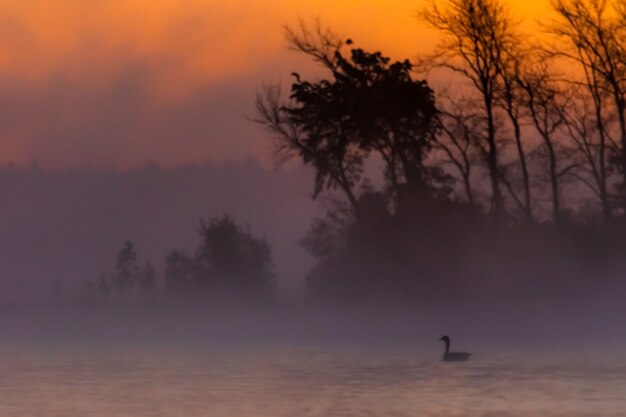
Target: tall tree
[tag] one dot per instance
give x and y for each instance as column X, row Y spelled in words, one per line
column 580, row 121
column 475, row 33
column 459, row 132
column 508, row 95
column 383, row 110
column 231, row 259
column 544, row 101
column 368, row 104
column 319, row 139
column 589, row 33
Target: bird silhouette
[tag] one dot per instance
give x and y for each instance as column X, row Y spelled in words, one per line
column 453, row 356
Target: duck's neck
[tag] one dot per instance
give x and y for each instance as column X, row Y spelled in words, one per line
column 447, row 346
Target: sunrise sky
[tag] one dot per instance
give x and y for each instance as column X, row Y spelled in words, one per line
column 117, row 83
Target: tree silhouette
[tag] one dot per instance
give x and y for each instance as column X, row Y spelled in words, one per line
column 508, row 95
column 591, row 34
column 126, row 269
column 543, row 98
column 459, row 133
column 321, row 138
column 581, row 123
column 519, row 115
column 230, row 259
column 475, row 35
column 369, row 104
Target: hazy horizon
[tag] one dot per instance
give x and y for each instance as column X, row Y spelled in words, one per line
column 67, row 226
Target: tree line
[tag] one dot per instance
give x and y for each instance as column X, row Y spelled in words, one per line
column 229, row 262
column 540, row 122
column 524, row 150
column 507, row 185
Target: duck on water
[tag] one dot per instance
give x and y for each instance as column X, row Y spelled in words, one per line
column 453, row 356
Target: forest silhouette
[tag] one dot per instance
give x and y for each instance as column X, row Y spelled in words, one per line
column 505, row 188
column 228, row 263
column 506, row 185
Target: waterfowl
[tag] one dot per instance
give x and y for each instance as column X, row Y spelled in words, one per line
column 453, row 356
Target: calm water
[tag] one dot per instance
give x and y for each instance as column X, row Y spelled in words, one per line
column 301, row 382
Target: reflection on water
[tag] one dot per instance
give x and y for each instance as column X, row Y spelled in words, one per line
column 307, row 382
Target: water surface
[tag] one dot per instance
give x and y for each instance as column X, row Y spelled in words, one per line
column 307, row 382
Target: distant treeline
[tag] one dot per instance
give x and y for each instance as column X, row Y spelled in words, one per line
column 229, row 262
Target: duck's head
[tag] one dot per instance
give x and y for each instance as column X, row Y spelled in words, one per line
column 444, row 338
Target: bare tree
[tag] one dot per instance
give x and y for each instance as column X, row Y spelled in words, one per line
column 589, row 34
column 474, row 35
column 543, row 99
column 580, row 123
column 457, row 141
column 508, row 96
column 316, row 41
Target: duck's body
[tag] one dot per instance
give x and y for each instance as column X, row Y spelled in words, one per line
column 453, row 356
column 456, row 356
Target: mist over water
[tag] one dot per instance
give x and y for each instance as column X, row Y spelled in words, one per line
column 540, row 311
column 312, row 382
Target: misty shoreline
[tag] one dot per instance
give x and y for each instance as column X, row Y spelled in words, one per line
column 291, row 323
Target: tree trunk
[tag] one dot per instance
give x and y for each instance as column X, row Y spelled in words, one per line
column 497, row 206
column 522, row 158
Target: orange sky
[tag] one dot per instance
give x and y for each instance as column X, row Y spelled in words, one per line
column 120, row 82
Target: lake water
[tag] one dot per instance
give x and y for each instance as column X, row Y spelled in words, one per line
column 307, row 382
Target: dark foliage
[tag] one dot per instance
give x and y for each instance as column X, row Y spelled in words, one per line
column 126, row 269
column 228, row 261
column 370, row 104
column 525, row 144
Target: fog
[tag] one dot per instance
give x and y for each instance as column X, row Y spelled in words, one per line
column 67, row 226
column 405, row 212
column 63, row 229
